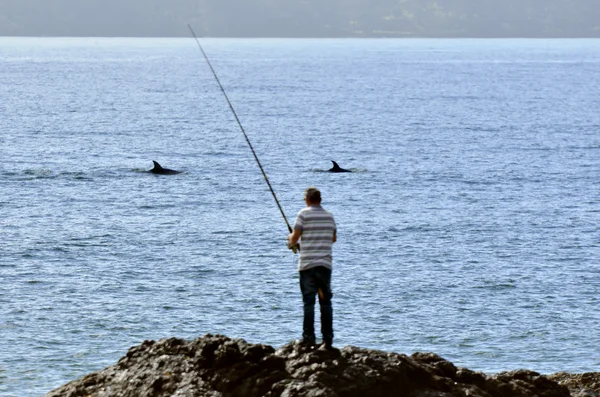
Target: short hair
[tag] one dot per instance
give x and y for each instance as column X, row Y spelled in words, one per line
column 313, row 195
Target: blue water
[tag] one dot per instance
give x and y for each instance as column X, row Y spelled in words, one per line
column 470, row 227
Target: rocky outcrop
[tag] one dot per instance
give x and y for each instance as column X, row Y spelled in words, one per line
column 217, row 366
column 580, row 385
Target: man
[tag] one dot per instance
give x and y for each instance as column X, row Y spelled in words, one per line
column 316, row 230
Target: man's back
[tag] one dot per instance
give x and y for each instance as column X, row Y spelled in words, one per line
column 318, row 230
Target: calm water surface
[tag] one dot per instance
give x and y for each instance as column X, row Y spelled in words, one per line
column 470, row 227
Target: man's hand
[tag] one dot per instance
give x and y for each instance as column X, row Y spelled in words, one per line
column 293, row 247
column 293, row 240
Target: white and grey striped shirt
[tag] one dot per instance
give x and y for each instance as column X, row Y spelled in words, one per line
column 318, row 227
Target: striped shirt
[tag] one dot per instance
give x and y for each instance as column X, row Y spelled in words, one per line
column 318, row 227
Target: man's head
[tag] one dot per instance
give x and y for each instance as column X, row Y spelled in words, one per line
column 312, row 195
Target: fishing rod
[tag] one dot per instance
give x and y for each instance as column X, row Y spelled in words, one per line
column 243, row 131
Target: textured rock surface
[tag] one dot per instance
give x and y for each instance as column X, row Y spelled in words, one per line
column 580, row 385
column 218, row 366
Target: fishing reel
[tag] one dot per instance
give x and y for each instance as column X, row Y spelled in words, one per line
column 295, row 248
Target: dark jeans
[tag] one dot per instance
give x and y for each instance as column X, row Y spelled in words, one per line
column 317, row 282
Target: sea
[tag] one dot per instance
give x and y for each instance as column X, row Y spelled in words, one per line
column 469, row 227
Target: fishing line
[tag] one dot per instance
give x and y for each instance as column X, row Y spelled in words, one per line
column 242, row 128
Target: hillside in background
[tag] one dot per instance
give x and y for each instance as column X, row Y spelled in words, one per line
column 302, row 18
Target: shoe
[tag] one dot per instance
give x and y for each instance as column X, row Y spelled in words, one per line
column 306, row 341
column 328, row 347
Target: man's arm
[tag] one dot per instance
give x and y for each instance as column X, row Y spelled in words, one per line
column 294, row 237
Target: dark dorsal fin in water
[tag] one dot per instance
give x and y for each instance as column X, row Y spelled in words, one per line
column 158, row 169
column 337, row 168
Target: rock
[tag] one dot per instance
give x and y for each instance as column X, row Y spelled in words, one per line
column 580, row 385
column 218, row 366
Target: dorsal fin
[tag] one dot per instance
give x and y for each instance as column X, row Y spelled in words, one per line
column 337, row 168
column 158, row 169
